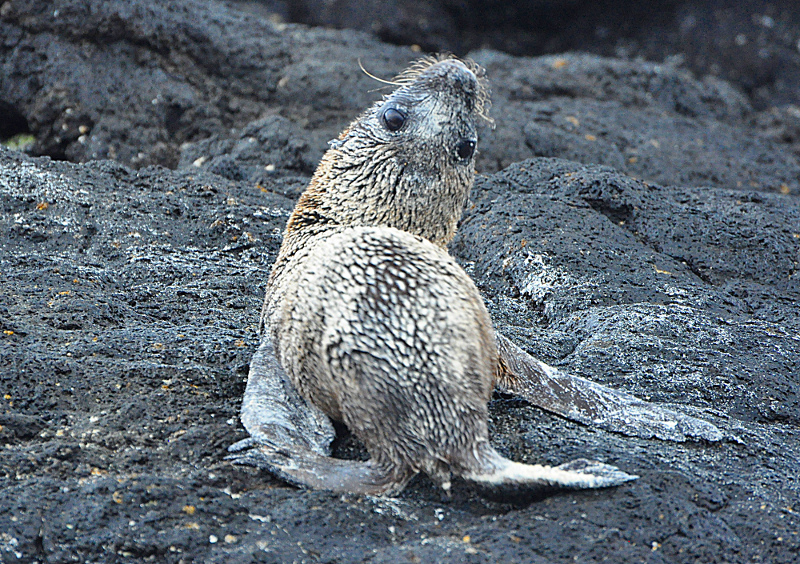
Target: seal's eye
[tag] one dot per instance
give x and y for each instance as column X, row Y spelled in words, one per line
column 394, row 119
column 465, row 149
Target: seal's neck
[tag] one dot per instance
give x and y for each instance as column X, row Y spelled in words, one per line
column 350, row 192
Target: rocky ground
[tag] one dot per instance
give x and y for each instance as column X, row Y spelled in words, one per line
column 635, row 222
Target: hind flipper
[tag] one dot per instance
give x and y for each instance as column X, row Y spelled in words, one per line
column 590, row 403
column 310, row 470
column 291, row 438
column 577, row 475
column 500, row 478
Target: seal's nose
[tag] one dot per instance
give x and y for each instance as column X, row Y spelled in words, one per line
column 456, row 74
column 465, row 149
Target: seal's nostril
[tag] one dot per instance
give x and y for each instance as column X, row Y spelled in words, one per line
column 465, row 79
column 465, row 149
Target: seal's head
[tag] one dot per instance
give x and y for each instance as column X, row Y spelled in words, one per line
column 435, row 111
column 409, row 161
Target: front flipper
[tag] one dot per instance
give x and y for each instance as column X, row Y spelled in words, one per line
column 274, row 413
column 291, row 438
column 590, row 403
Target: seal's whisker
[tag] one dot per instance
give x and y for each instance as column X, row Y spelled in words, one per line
column 372, row 76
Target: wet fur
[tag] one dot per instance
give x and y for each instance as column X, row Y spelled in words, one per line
column 372, row 320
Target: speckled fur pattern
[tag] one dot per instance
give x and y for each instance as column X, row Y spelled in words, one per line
column 403, row 356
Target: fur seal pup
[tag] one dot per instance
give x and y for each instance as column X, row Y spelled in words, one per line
column 368, row 320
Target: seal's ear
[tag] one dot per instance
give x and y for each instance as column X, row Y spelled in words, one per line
column 590, row 403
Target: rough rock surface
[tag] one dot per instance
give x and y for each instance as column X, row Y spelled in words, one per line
column 637, row 225
column 752, row 43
